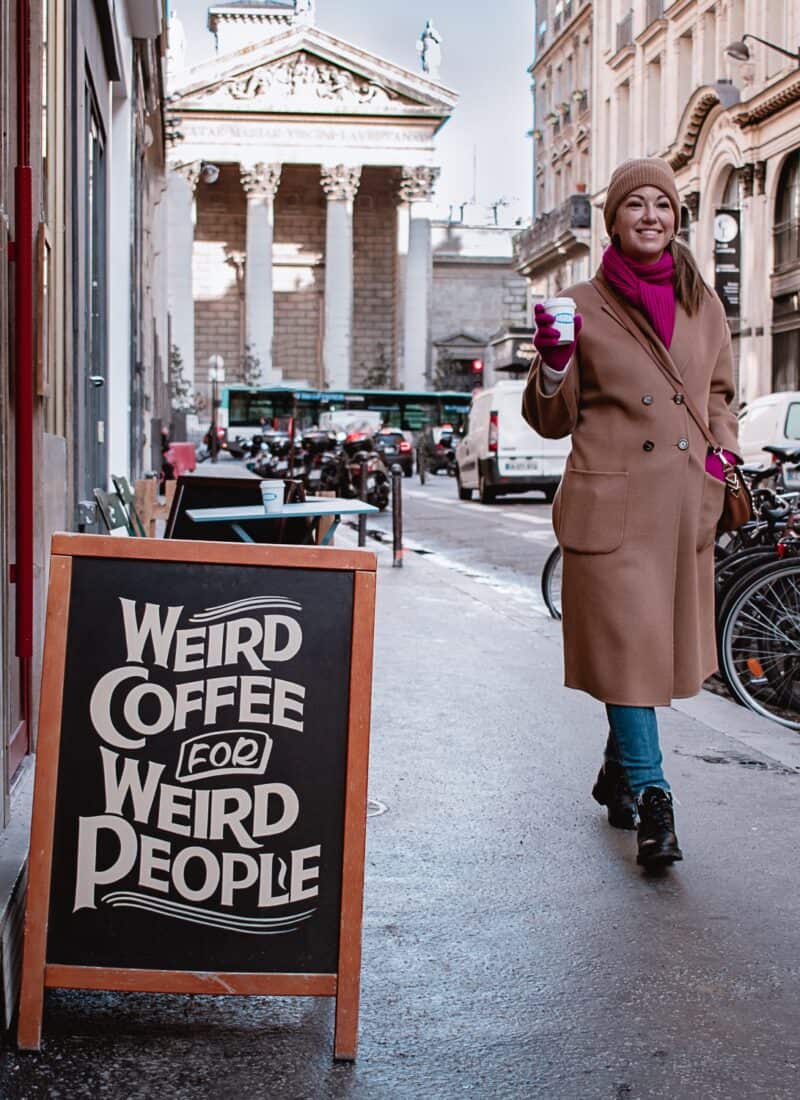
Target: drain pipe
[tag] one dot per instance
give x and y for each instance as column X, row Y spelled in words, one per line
column 23, row 390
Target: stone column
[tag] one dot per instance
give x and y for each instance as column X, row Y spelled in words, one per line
column 181, row 185
column 340, row 184
column 416, row 190
column 260, row 184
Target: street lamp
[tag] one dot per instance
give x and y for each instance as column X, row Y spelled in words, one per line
column 216, row 374
column 740, row 51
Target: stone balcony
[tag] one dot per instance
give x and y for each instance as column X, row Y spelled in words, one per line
column 554, row 236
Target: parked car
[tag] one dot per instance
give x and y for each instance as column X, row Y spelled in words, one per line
column 436, row 449
column 771, row 419
column 500, row 453
column 393, row 446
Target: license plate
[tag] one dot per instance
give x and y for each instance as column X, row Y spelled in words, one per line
column 521, row 466
column 315, row 475
column 370, row 482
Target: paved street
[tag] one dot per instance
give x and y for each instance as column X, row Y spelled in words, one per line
column 511, row 946
column 504, row 543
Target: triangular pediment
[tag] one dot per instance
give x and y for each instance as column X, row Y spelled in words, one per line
column 461, row 338
column 304, row 70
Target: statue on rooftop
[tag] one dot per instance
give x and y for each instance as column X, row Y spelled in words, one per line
column 304, row 12
column 429, row 47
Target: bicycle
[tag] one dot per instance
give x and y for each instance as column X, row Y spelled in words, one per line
column 551, row 583
column 759, row 640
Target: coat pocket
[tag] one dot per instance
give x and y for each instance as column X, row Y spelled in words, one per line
column 591, row 519
column 710, row 510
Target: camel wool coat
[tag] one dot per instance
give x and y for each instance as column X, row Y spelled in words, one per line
column 636, row 513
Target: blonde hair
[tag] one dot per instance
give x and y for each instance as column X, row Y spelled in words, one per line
column 690, row 286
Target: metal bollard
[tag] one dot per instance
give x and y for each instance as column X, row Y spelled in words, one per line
column 362, row 492
column 397, row 515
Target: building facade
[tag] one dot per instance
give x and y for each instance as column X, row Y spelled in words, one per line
column 664, row 84
column 477, row 294
column 82, row 368
column 554, row 251
column 300, row 197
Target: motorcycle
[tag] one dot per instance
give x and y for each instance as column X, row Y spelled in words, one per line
column 359, row 448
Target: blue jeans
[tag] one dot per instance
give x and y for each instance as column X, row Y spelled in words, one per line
column 633, row 744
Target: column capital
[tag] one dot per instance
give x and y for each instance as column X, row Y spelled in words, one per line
column 260, row 181
column 340, row 181
column 190, row 171
column 417, row 184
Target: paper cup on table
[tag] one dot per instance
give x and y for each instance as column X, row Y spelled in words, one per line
column 272, row 495
column 563, row 309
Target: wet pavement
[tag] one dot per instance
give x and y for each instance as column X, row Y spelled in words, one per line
column 512, row 948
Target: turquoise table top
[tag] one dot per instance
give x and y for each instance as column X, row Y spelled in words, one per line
column 314, row 506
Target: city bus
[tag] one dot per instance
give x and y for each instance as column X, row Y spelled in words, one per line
column 246, row 410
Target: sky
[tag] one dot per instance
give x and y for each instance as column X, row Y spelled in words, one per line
column 486, row 50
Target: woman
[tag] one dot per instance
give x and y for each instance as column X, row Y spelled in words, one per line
column 637, row 509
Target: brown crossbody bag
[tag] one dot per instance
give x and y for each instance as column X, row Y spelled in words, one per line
column 738, row 506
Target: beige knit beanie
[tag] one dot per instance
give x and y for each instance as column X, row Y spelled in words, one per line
column 644, row 172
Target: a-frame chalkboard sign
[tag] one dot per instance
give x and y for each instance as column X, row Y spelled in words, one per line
column 201, row 777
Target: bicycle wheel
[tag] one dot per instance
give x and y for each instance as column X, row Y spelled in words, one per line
column 729, row 572
column 760, row 642
column 551, row 583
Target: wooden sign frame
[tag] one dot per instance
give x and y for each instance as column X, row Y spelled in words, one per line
column 344, row 985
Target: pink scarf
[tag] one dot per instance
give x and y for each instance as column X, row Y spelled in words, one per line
column 649, row 287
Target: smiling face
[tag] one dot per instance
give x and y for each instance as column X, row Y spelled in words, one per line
column 645, row 224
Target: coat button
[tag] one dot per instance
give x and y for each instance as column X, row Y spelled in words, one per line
column 678, row 398
column 648, row 445
column 647, row 399
column 683, row 444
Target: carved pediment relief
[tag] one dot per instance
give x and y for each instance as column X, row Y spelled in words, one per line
column 300, row 81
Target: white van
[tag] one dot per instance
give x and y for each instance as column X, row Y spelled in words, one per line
column 500, row 453
column 772, row 419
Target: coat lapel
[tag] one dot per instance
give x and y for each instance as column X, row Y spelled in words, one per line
column 635, row 322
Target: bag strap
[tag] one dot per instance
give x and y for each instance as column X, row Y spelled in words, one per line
column 690, row 407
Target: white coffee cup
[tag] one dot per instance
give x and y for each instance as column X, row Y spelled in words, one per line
column 563, row 310
column 272, row 495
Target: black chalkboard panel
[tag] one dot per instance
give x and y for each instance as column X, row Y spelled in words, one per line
column 164, row 840
column 200, row 799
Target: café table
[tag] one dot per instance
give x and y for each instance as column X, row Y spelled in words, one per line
column 311, row 508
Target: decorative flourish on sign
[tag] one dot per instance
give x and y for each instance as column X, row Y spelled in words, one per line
column 301, row 76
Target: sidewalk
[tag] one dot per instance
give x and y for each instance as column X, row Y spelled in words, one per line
column 512, row 948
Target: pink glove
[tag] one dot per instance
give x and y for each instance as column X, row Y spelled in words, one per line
column 714, row 464
column 547, row 336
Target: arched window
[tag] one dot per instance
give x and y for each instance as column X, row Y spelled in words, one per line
column 785, row 307
column 685, row 224
column 732, row 195
column 787, row 214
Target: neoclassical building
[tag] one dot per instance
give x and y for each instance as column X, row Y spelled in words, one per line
column 303, row 169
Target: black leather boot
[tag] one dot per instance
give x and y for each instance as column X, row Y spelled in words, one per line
column 658, row 845
column 612, row 791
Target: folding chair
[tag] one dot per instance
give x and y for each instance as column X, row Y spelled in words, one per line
column 112, row 512
column 125, row 494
